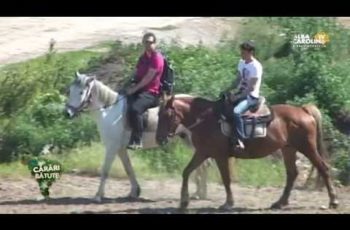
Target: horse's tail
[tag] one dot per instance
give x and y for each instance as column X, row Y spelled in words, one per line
column 321, row 149
column 316, row 113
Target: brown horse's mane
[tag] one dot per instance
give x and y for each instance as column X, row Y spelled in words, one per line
column 198, row 104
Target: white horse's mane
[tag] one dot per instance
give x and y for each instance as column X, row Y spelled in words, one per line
column 184, row 96
column 109, row 96
column 105, row 94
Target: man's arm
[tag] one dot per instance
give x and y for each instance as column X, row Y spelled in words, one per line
column 251, row 83
column 145, row 80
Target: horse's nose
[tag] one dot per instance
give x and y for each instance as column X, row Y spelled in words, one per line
column 68, row 113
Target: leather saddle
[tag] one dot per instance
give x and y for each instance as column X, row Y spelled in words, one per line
column 255, row 120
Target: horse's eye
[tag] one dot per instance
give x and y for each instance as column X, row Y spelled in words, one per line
column 81, row 92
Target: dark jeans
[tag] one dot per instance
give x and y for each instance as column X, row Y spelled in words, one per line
column 138, row 104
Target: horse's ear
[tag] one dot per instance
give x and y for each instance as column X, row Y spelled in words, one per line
column 77, row 74
column 166, row 100
column 90, row 79
column 170, row 101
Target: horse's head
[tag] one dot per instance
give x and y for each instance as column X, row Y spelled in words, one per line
column 79, row 94
column 168, row 120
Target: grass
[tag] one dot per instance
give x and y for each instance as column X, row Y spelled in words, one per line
column 155, row 164
column 260, row 172
column 14, row 170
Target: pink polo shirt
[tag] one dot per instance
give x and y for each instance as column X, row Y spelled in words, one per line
column 155, row 61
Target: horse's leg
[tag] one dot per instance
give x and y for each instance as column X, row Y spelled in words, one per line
column 289, row 158
column 110, row 154
column 223, row 165
column 200, row 178
column 318, row 183
column 313, row 155
column 203, row 183
column 196, row 160
column 309, row 177
column 135, row 188
column 233, row 169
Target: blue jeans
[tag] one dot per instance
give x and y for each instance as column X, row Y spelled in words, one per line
column 241, row 108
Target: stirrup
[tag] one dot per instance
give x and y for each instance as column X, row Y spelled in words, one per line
column 240, row 143
column 135, row 146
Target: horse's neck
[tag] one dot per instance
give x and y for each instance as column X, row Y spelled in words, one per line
column 104, row 95
column 194, row 109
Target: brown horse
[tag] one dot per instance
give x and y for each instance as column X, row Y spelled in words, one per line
column 292, row 129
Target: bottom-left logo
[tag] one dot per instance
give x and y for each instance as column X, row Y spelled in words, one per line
column 44, row 171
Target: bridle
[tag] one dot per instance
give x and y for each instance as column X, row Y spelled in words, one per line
column 84, row 103
column 174, row 125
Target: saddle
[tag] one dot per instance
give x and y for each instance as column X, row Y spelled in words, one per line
column 255, row 120
column 260, row 111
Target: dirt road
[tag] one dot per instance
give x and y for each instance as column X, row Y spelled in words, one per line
column 72, row 194
column 22, row 38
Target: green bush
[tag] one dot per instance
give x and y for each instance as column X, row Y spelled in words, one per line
column 28, row 136
column 32, row 103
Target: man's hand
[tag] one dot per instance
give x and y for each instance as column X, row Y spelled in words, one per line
column 234, row 96
column 130, row 91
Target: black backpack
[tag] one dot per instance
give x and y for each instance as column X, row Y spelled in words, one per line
column 167, row 79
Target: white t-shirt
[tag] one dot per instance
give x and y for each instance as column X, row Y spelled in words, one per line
column 251, row 70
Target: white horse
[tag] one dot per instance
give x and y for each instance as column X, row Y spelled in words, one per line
column 108, row 109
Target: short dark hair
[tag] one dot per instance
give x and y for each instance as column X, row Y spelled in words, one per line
column 147, row 35
column 248, row 45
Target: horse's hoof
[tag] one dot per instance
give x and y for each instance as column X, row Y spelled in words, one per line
column 195, row 197
column 138, row 191
column 182, row 210
column 183, row 205
column 278, row 205
column 97, row 199
column 135, row 194
column 334, row 204
column 42, row 198
column 226, row 207
column 199, row 196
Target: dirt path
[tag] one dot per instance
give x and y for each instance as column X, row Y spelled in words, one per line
column 22, row 38
column 72, row 194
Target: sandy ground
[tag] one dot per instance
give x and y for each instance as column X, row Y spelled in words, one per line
column 72, row 194
column 22, row 38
